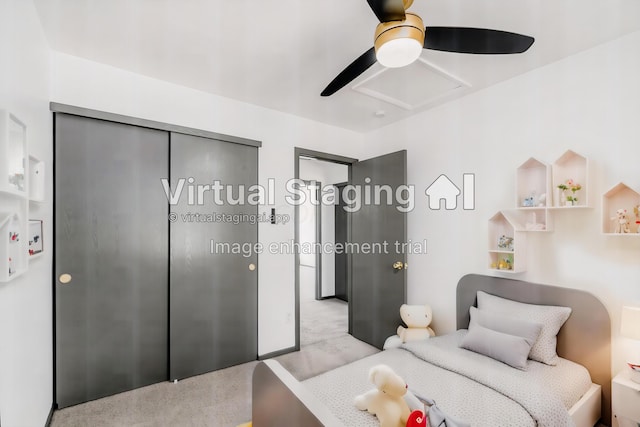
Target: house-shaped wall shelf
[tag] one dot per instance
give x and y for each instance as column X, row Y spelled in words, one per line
column 13, row 154
column 507, row 243
column 570, row 166
column 13, row 254
column 533, row 184
column 21, row 179
column 621, row 196
column 533, row 219
column 36, row 180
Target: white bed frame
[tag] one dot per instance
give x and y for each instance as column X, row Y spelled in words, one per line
column 281, row 400
column 586, row 411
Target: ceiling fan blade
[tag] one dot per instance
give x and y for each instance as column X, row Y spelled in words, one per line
column 475, row 40
column 354, row 69
column 388, row 10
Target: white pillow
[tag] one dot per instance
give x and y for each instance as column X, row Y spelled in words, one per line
column 505, row 324
column 509, row 349
column 551, row 317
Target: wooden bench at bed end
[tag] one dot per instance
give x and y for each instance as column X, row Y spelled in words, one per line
column 281, row 400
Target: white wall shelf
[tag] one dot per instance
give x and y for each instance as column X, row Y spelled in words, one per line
column 13, row 153
column 621, row 196
column 504, row 227
column 13, row 259
column 36, row 180
column 533, row 184
column 575, row 167
column 21, row 180
column 534, row 219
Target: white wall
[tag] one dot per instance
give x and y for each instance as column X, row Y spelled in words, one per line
column 25, row 303
column 326, row 173
column 307, row 228
column 89, row 84
column 589, row 103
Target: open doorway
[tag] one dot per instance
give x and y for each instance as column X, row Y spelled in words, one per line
column 321, row 273
column 375, row 258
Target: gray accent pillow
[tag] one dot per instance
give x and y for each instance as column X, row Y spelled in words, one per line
column 509, row 349
column 550, row 316
column 506, row 324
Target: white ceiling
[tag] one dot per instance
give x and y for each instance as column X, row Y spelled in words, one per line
column 281, row 54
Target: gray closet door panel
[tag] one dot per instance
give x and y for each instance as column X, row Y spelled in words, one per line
column 112, row 238
column 213, row 296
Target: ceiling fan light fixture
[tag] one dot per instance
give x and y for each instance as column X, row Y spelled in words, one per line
column 399, row 43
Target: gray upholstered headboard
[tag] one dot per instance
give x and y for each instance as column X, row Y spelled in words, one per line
column 585, row 338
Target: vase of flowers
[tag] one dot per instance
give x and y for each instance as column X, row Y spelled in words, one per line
column 571, row 199
column 561, row 198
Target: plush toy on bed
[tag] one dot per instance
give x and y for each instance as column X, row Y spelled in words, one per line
column 417, row 318
column 386, row 401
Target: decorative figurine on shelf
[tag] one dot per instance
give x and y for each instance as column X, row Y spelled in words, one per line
column 531, row 201
column 505, row 264
column 636, row 210
column 533, row 225
column 621, row 222
column 17, row 180
column 505, row 243
column 542, row 200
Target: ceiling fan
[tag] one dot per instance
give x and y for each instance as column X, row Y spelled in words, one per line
column 401, row 36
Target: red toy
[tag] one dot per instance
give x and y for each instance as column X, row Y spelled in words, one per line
column 417, row 419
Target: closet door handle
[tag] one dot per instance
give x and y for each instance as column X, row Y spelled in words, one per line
column 252, row 267
column 65, row 278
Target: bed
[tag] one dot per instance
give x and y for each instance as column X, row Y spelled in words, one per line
column 465, row 384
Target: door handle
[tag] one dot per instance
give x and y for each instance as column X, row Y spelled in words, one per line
column 65, row 278
column 252, row 267
column 399, row 265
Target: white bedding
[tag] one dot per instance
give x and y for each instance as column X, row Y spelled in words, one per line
column 467, row 385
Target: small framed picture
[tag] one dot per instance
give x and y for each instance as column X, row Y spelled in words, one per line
column 36, row 245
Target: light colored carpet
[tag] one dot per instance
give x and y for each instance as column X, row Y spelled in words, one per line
column 220, row 398
column 322, row 320
column 223, row 398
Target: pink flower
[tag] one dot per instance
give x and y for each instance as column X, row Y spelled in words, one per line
column 570, row 183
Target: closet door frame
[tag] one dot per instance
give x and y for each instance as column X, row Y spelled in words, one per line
column 134, row 121
column 127, row 120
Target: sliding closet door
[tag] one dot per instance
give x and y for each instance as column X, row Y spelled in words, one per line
column 213, row 288
column 111, row 251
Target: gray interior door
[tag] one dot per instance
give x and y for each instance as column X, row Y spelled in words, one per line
column 378, row 289
column 111, row 239
column 213, row 288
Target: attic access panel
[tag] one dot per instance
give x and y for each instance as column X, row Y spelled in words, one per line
column 411, row 87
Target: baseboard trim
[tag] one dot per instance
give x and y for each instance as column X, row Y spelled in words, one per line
column 277, row 353
column 50, row 417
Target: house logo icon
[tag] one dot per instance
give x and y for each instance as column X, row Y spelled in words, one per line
column 444, row 189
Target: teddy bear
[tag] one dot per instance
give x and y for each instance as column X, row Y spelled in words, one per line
column 386, row 401
column 417, row 318
column 622, row 223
